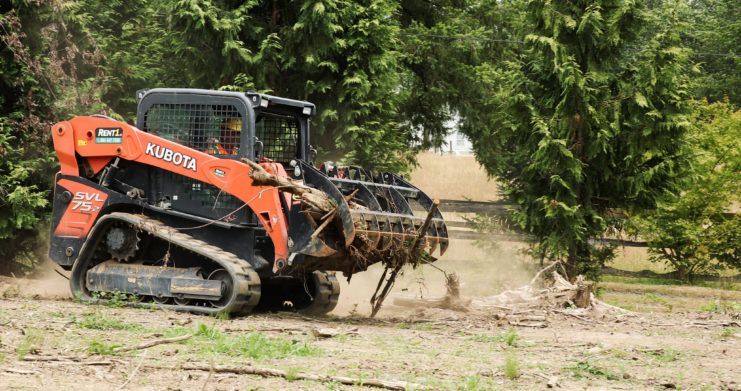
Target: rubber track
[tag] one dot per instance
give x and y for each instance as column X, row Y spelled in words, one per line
column 327, row 296
column 246, row 292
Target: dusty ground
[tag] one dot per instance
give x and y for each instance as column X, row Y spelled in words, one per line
column 438, row 349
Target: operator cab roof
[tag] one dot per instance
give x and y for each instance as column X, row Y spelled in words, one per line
column 264, row 101
column 258, row 101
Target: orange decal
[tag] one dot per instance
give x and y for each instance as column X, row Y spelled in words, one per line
column 82, row 210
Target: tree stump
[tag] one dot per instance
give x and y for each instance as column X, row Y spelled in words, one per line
column 583, row 297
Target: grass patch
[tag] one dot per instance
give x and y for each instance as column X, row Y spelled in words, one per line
column 254, row 345
column 721, row 306
column 221, row 315
column 423, row 326
column 728, row 332
column 664, row 355
column 471, row 383
column 721, row 284
column 102, row 322
column 510, row 337
column 657, row 299
column 31, row 343
column 174, row 331
column 587, row 370
column 115, row 299
column 511, row 367
column 292, row 373
column 102, row 348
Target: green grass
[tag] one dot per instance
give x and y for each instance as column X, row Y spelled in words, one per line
column 292, row 373
column 721, row 284
column 102, row 322
column 31, row 343
column 221, row 315
column 102, row 348
column 511, row 366
column 728, row 332
column 471, row 383
column 510, row 337
column 253, row 345
column 664, row 355
column 115, row 299
column 658, row 299
column 587, row 370
column 721, row 306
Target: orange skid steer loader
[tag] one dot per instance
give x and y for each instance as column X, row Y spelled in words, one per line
column 169, row 212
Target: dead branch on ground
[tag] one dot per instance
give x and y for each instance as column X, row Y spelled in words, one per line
column 153, row 343
column 270, row 372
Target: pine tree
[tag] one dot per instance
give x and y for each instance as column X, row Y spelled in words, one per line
column 340, row 55
column 588, row 120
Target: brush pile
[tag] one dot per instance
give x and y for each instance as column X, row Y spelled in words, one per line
column 555, row 293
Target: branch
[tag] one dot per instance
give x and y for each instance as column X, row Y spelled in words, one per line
column 270, row 372
column 314, row 198
column 543, row 270
column 153, row 343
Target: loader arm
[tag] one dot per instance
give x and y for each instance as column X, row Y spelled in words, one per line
column 100, row 140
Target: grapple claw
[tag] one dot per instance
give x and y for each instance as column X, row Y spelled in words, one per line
column 386, row 213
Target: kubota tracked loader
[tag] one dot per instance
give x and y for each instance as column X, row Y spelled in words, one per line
column 170, row 211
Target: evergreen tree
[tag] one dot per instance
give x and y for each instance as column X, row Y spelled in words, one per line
column 136, row 50
column 40, row 83
column 584, row 122
column 447, row 46
column 340, row 55
column 715, row 38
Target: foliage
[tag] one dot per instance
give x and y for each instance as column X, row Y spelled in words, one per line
column 340, row 55
column 448, row 46
column 721, row 306
column 580, row 124
column 136, row 50
column 577, row 107
column 715, row 38
column 695, row 231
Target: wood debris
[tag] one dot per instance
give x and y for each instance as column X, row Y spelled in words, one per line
column 556, row 294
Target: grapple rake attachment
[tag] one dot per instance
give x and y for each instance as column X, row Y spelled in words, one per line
column 377, row 216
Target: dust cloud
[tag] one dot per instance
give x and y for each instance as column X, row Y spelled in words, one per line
column 43, row 283
column 484, row 270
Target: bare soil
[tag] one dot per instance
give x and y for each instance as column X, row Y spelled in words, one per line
column 438, row 349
